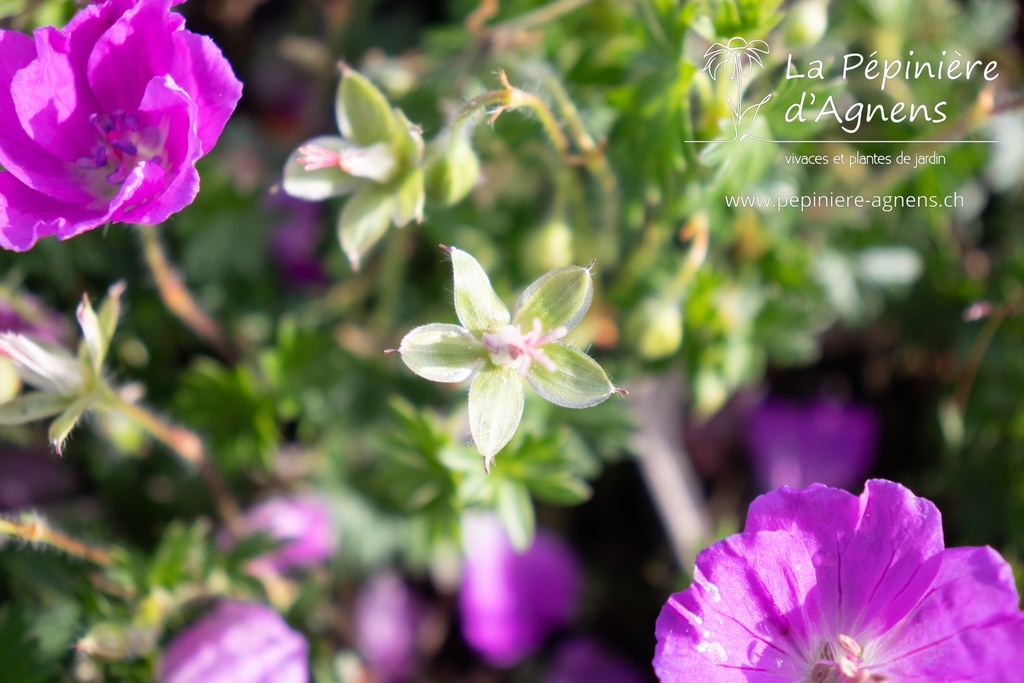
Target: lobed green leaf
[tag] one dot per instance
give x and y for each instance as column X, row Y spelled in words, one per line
column 515, row 510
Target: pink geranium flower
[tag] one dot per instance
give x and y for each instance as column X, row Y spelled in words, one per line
column 237, row 642
column 304, row 526
column 104, row 119
column 826, row 587
column 510, row 602
column 797, row 444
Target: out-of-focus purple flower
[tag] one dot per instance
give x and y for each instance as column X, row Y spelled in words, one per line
column 294, row 241
column 387, row 618
column 827, row 587
column 237, row 642
column 582, row 660
column 817, row 442
column 104, row 119
column 305, row 525
column 32, row 478
column 25, row 314
column 509, row 602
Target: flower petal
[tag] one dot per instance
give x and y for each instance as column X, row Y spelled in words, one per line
column 321, row 183
column 27, row 214
column 967, row 627
column 478, row 307
column 54, row 102
column 140, row 37
column 875, row 555
column 442, row 353
column 576, row 382
column 742, row 620
column 558, row 298
column 20, row 155
column 201, row 70
column 363, row 221
column 495, row 407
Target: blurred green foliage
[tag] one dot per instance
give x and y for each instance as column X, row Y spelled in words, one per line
column 683, row 281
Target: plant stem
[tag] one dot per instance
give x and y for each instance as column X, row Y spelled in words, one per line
column 541, row 16
column 674, row 486
column 510, row 97
column 595, row 162
column 186, row 444
column 962, row 392
column 37, row 531
column 178, row 299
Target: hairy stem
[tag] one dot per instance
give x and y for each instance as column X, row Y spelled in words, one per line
column 178, row 299
column 186, row 444
column 35, row 530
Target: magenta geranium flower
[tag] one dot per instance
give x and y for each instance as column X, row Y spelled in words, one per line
column 793, row 443
column 104, row 119
column 510, row 602
column 387, row 617
column 237, row 642
column 826, row 587
column 304, row 526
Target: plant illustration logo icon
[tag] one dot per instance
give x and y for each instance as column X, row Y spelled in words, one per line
column 735, row 61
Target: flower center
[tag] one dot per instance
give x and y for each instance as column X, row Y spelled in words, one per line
column 119, row 137
column 848, row 667
column 375, row 162
column 509, row 346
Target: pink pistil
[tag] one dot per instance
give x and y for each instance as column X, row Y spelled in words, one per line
column 315, row 157
column 509, row 346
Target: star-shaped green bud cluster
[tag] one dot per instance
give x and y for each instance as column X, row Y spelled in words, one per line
column 499, row 349
column 377, row 159
column 66, row 385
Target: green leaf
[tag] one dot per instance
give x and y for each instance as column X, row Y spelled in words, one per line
column 559, row 298
column 561, row 490
column 442, row 353
column 479, row 308
column 322, row 183
column 61, row 427
column 363, row 221
column 495, row 407
column 92, row 334
column 409, row 199
column 32, row 406
column 577, row 382
column 515, row 509
column 363, row 113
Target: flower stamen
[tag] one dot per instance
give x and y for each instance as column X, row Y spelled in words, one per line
column 375, row 162
column 117, row 142
column 849, row 668
column 509, row 346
